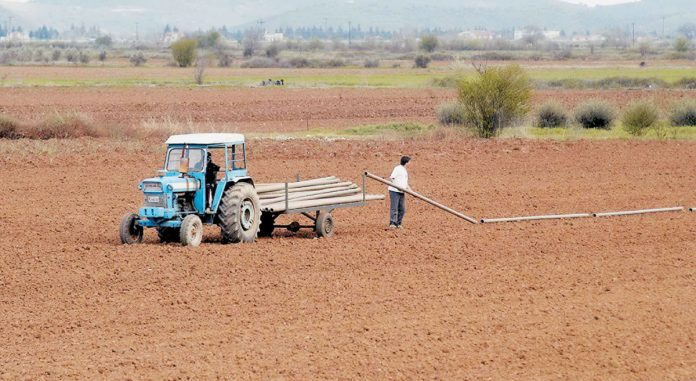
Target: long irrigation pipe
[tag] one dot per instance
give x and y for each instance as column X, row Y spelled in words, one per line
column 304, row 189
column 264, row 188
column 643, row 211
column 336, row 193
column 534, row 218
column 282, row 206
column 295, row 195
column 582, row 215
column 423, row 198
column 692, row 209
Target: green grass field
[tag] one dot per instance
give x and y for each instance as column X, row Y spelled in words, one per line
column 342, row 77
column 415, row 130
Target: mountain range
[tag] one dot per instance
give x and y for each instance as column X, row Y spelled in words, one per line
column 120, row 16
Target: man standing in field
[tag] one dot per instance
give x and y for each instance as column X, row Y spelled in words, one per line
column 397, row 198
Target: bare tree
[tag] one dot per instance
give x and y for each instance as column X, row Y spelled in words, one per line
column 199, row 72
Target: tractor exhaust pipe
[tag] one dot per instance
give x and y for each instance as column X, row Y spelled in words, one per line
column 423, row 198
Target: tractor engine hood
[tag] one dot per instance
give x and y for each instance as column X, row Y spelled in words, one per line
column 169, row 184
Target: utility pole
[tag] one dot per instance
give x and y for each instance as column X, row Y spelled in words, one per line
column 349, row 27
column 663, row 27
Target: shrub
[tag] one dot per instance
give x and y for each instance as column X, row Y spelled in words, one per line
column 495, row 98
column 184, row 51
column 595, row 114
column 639, row 117
column 199, row 72
column 450, row 113
column 224, row 59
column 299, row 62
column 55, row 56
column 104, row 41
column 683, row 114
column 260, row 62
column 335, row 62
column 551, row 115
column 9, row 128
column 102, row 56
column 429, row 43
column 371, row 63
column 687, row 83
column 272, row 50
column 84, row 58
column 682, row 45
column 72, row 55
column 422, row 61
column 63, row 127
column 137, row 59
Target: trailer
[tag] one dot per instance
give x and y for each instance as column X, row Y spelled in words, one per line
column 315, row 200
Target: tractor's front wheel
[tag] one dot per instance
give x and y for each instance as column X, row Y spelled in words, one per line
column 239, row 214
column 191, row 232
column 129, row 231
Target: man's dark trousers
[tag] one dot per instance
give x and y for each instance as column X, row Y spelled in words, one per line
column 397, row 208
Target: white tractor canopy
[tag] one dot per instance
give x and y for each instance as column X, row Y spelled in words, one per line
column 206, row 139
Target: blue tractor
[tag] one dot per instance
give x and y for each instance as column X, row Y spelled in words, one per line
column 188, row 193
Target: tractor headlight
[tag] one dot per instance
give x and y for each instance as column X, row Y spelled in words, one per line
column 170, row 188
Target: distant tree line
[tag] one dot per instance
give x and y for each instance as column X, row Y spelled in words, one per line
column 44, row 33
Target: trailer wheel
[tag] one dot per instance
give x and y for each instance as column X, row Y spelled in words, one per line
column 191, row 232
column 167, row 235
column 239, row 214
column 129, row 231
column 267, row 225
column 324, row 225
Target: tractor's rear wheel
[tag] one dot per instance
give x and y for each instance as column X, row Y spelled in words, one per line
column 129, row 231
column 191, row 233
column 167, row 235
column 239, row 214
column 267, row 225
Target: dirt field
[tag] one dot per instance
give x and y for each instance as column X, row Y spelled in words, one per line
column 441, row 299
column 270, row 110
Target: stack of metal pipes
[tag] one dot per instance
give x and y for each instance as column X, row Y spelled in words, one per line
column 279, row 197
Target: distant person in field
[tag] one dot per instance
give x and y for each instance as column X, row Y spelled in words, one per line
column 397, row 198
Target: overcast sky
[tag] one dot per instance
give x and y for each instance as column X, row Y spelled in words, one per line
column 599, row 2
column 588, row 2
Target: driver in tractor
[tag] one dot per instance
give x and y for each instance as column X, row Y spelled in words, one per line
column 211, row 172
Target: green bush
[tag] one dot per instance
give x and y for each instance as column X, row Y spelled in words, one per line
column 683, row 114
column 595, row 114
column 687, row 83
column 450, row 113
column 639, row 117
column 422, row 61
column 9, row 128
column 184, row 52
column 371, row 63
column 495, row 98
column 551, row 115
column 429, row 43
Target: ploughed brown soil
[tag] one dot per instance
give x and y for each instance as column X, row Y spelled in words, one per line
column 271, row 110
column 607, row 298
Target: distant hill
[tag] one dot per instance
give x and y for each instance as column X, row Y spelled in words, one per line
column 121, row 16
